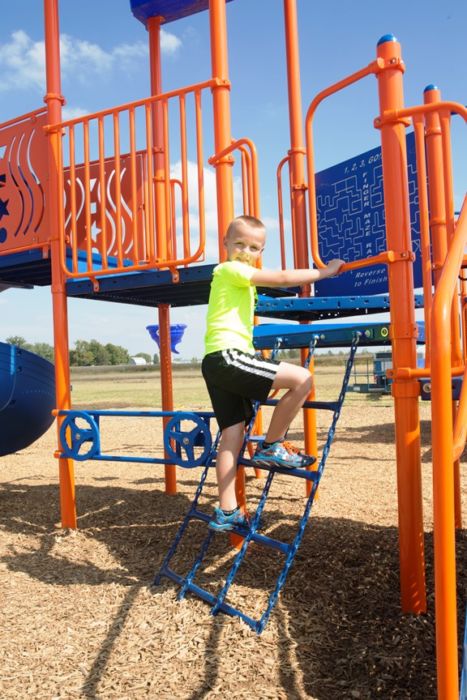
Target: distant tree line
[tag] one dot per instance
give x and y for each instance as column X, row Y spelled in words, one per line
column 85, row 352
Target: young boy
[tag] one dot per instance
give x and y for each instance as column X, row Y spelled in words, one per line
column 235, row 376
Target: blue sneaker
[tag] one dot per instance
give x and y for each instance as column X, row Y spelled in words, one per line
column 279, row 455
column 222, row 522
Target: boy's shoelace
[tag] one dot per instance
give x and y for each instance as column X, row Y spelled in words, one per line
column 291, row 448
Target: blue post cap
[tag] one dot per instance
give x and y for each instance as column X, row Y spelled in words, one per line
column 384, row 39
column 431, row 86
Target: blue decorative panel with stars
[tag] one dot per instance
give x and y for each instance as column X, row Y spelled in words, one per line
column 351, row 221
column 23, row 179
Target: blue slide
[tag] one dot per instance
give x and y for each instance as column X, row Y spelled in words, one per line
column 27, row 397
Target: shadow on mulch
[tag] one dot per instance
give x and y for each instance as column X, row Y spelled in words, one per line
column 380, row 434
column 339, row 612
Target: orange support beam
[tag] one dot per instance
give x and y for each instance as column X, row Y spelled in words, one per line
column 221, row 109
column 403, row 327
column 162, row 214
column 54, row 101
column 223, row 165
column 439, row 181
column 298, row 189
column 443, row 474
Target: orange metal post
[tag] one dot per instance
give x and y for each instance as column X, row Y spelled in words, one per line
column 298, row 186
column 221, row 109
column 222, row 140
column 443, row 476
column 403, row 328
column 437, row 178
column 161, row 218
column 166, row 386
column 54, row 101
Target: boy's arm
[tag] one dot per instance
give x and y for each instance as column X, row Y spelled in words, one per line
column 295, row 278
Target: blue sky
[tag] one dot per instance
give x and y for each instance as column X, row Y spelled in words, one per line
column 105, row 63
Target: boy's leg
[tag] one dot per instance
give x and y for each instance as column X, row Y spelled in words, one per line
column 299, row 382
column 226, row 464
column 228, row 515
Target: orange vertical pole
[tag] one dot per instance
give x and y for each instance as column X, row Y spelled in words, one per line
column 161, row 218
column 403, row 329
column 436, row 167
column 54, row 101
column 443, row 476
column 221, row 109
column 298, row 188
column 223, row 139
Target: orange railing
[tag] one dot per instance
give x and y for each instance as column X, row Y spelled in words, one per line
column 25, row 224
column 111, row 222
column 249, row 169
column 448, row 444
column 372, row 68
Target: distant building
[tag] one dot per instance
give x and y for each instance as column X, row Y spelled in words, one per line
column 138, row 361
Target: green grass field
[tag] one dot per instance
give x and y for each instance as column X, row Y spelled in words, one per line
column 138, row 390
column 142, row 389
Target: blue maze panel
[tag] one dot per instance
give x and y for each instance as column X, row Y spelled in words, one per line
column 351, row 221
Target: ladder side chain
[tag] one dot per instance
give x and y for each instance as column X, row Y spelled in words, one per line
column 189, row 514
column 262, row 502
column 189, row 578
column 304, row 519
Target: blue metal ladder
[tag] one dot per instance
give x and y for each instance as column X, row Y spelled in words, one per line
column 218, row 602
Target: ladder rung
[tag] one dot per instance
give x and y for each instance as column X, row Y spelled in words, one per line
column 322, row 405
column 209, row 598
column 256, row 537
column 308, row 474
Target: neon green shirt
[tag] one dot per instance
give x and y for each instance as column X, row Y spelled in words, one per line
column 231, row 308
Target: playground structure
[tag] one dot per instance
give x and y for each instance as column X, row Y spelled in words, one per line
column 27, row 397
column 373, row 379
column 116, row 239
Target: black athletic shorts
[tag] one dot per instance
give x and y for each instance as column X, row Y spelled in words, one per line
column 234, row 379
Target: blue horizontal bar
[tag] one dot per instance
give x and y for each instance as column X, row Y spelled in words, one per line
column 136, row 414
column 209, row 598
column 138, row 460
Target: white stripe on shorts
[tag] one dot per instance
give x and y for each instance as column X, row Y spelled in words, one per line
column 249, row 363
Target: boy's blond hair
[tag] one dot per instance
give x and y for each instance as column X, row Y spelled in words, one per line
column 244, row 220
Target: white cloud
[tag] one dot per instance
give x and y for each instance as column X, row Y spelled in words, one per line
column 169, row 42
column 73, row 112
column 210, row 207
column 22, row 60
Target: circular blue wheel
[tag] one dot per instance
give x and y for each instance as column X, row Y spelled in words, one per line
column 79, row 436
column 180, row 442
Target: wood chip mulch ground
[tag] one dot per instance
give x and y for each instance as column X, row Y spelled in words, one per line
column 79, row 618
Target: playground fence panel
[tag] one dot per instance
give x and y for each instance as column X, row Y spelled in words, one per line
column 121, row 168
column 23, row 180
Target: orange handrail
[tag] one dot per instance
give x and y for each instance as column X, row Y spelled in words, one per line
column 425, row 248
column 444, row 108
column 418, row 372
column 280, row 207
column 133, row 105
column 391, row 115
column 460, row 423
column 370, row 69
column 24, row 117
column 446, row 445
column 253, row 178
column 32, row 246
